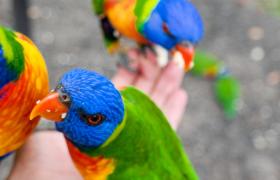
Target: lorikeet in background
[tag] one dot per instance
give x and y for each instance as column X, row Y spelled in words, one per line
column 111, row 134
column 24, row 80
column 172, row 25
column 226, row 87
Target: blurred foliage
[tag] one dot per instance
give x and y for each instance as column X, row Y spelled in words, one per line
column 272, row 6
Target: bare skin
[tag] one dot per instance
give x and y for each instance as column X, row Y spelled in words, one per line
column 45, row 155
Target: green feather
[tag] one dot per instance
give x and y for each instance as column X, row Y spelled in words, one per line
column 13, row 51
column 143, row 10
column 98, row 6
column 227, row 90
column 147, row 147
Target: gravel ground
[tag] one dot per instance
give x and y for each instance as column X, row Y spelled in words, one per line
column 238, row 32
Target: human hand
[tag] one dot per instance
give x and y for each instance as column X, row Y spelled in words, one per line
column 44, row 157
column 163, row 85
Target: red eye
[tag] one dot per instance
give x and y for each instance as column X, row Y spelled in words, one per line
column 166, row 30
column 95, row 119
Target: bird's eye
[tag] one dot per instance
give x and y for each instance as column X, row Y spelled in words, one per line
column 64, row 97
column 166, row 30
column 95, row 119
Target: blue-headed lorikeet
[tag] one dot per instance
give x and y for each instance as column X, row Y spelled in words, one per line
column 111, row 134
column 24, row 80
column 170, row 24
column 173, row 25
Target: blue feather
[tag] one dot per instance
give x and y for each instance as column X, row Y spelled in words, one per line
column 6, row 74
column 90, row 93
column 182, row 20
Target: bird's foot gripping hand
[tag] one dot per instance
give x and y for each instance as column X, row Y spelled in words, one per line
column 183, row 55
column 126, row 62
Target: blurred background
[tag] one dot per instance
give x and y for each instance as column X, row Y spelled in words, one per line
column 245, row 34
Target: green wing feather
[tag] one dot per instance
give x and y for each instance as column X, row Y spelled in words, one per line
column 143, row 10
column 98, row 6
column 227, row 91
column 147, row 148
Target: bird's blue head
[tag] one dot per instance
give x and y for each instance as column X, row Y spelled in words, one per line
column 86, row 106
column 175, row 25
column 173, row 22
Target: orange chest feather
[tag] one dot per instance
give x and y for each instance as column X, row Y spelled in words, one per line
column 91, row 168
column 18, row 98
column 122, row 17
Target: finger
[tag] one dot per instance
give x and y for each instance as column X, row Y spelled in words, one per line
column 151, row 56
column 175, row 106
column 133, row 53
column 148, row 74
column 170, row 80
column 133, row 58
column 123, row 78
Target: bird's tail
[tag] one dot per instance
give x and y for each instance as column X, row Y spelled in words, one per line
column 226, row 87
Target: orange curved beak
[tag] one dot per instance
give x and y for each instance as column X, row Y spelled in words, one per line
column 187, row 53
column 50, row 108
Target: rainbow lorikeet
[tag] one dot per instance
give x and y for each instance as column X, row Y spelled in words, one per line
column 172, row 25
column 112, row 134
column 24, row 80
column 226, row 87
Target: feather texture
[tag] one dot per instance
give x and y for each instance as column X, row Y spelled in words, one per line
column 146, row 148
column 133, row 140
column 26, row 81
column 11, row 57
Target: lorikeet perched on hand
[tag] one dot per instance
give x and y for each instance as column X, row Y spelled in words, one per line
column 169, row 24
column 172, row 25
column 111, row 134
column 226, row 87
column 24, row 80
